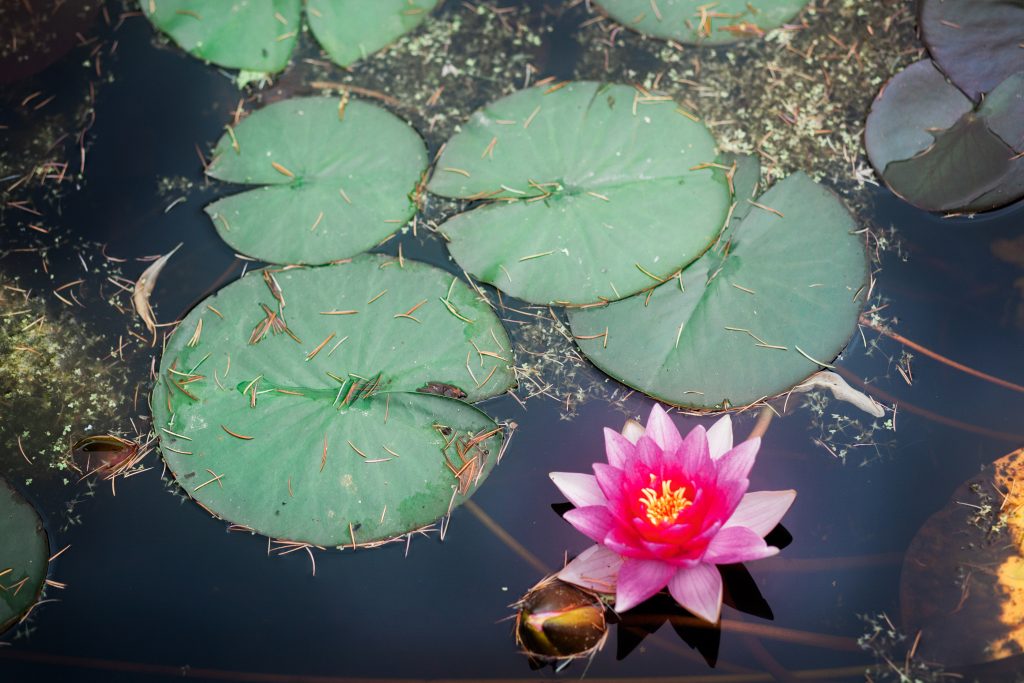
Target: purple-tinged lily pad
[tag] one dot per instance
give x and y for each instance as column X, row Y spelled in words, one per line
column 939, row 151
column 976, row 42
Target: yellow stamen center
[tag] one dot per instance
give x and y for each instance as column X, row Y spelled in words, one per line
column 664, row 507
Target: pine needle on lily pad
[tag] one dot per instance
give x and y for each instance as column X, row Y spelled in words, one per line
column 259, row 35
column 313, row 404
column 24, row 553
column 701, row 22
column 938, row 150
column 594, row 192
column 335, row 179
column 773, row 302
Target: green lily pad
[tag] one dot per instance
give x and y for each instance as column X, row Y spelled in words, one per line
column 352, row 29
column 24, row 556
column 595, row 191
column 259, row 35
column 354, row 381
column 772, row 303
column 331, row 186
column 976, row 42
column 700, row 22
column 939, row 151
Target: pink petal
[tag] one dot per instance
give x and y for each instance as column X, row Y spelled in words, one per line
column 581, row 489
column 617, row 448
column 735, row 465
column 692, row 456
column 650, row 453
column 611, row 481
column 720, row 437
column 639, row 580
column 593, row 521
column 632, row 430
column 627, row 543
column 662, row 430
column 760, row 511
column 699, row 589
column 596, row 568
column 737, row 544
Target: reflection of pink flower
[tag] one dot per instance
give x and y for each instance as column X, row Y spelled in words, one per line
column 665, row 510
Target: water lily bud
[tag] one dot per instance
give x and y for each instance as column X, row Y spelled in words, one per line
column 557, row 620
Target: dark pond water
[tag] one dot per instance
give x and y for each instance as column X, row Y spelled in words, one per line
column 157, row 589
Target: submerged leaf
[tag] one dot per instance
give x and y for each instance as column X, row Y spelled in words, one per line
column 963, row 577
column 775, row 301
column 331, row 186
column 598, row 191
column 309, row 426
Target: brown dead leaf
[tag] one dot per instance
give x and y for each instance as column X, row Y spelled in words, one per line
column 144, row 288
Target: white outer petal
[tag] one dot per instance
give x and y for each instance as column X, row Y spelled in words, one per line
column 720, row 437
column 581, row 489
column 760, row 511
column 632, row 430
column 596, row 568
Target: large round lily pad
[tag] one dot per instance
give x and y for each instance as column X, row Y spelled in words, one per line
column 702, row 22
column 352, row 29
column 259, row 35
column 963, row 576
column 939, row 151
column 334, row 182
column 334, row 417
column 596, row 191
column 976, row 42
column 24, row 553
column 775, row 301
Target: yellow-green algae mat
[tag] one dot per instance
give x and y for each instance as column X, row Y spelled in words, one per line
column 773, row 301
column 259, row 35
column 24, row 553
column 322, row 404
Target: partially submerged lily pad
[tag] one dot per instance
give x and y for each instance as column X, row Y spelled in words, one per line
column 24, row 553
column 939, row 151
column 595, row 192
column 319, row 420
column 976, row 42
column 259, row 35
column 774, row 301
column 963, row 577
column 701, row 22
column 335, row 177
column 352, row 29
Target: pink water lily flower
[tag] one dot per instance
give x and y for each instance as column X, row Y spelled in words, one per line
column 665, row 510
